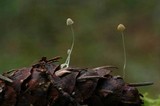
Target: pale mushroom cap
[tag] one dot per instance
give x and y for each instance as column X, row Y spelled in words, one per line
column 69, row 21
column 121, row 27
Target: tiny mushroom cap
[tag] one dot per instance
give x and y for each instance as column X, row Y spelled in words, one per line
column 69, row 21
column 121, row 27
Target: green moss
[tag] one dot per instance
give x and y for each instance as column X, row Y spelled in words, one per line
column 151, row 102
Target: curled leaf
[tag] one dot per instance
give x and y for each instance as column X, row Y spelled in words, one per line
column 5, row 78
column 62, row 72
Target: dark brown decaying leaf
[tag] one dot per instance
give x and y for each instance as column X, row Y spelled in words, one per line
column 46, row 84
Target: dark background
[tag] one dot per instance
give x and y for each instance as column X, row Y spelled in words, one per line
column 30, row 29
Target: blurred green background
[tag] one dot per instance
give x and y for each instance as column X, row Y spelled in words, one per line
column 30, row 29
